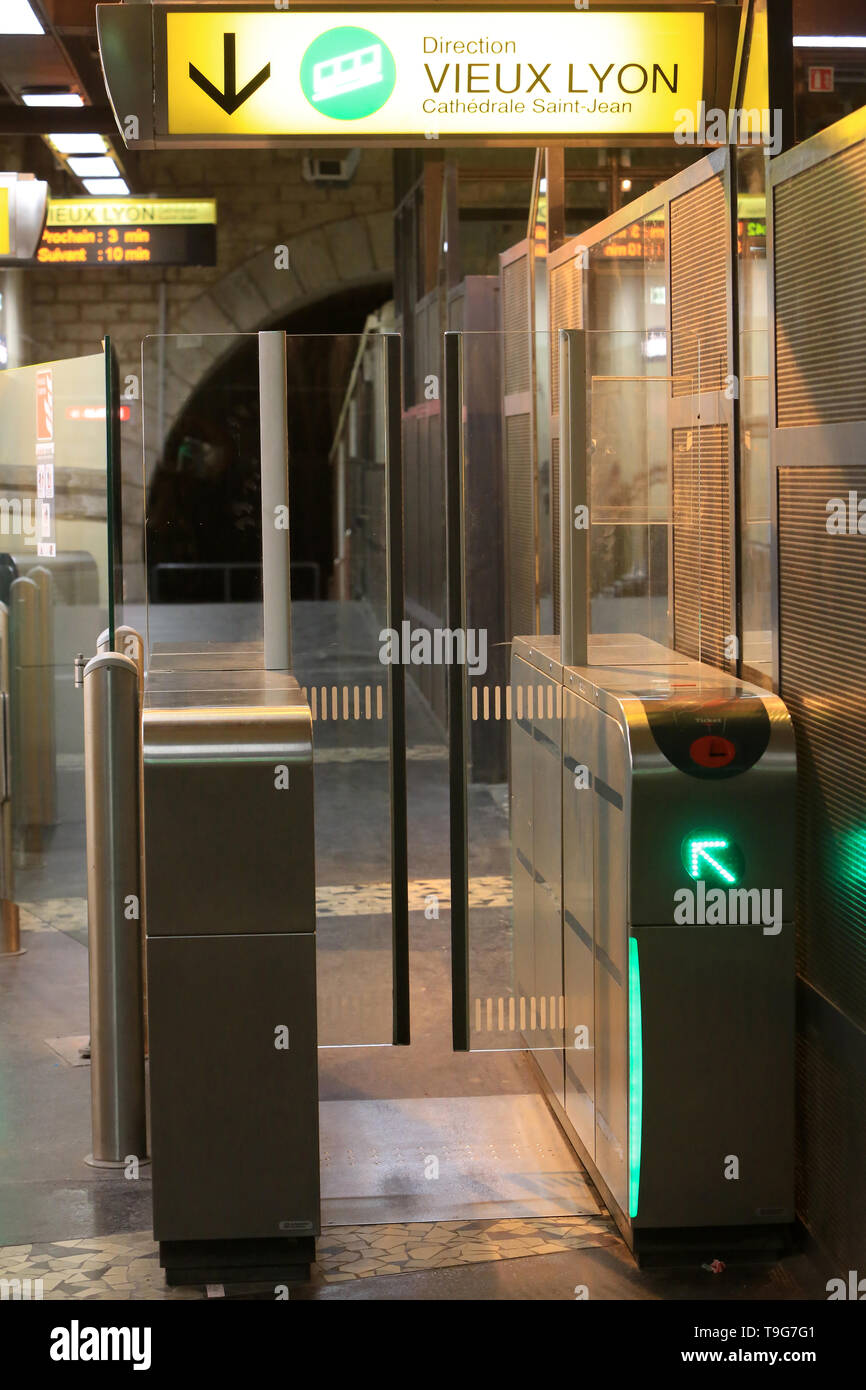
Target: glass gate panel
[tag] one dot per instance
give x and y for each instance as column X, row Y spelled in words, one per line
column 505, row 706
column 623, row 476
column 205, row 403
column 54, row 601
column 628, row 467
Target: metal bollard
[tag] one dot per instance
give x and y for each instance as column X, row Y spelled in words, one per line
column 10, row 928
column 112, row 794
column 127, row 641
column 25, row 649
column 46, row 713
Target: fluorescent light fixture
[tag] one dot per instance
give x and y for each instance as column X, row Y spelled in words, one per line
column 98, row 187
column 52, row 99
column 829, row 41
column 78, row 144
column 94, row 167
column 18, row 18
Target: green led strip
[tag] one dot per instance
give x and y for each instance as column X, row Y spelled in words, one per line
column 635, row 1077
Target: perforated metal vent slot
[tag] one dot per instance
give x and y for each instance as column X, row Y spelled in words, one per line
column 702, row 543
column 521, row 527
column 516, row 324
column 699, row 322
column 823, row 678
column 554, row 495
column 566, row 311
column 820, row 289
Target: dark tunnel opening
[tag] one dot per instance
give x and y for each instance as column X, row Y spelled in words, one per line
column 203, row 530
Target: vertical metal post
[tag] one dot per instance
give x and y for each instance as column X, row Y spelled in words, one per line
column 10, row 931
column 112, row 792
column 47, row 732
column 391, row 347
column 573, row 500
column 25, row 715
column 276, row 550
column 458, row 728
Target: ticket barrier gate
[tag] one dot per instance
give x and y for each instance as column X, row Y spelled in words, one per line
column 231, row 969
column 674, row 899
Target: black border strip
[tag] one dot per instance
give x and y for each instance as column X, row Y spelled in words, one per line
column 452, row 408
column 397, row 695
column 607, row 793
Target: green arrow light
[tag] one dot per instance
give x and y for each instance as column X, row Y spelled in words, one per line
column 712, row 857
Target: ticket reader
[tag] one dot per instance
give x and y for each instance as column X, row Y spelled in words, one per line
column 675, row 904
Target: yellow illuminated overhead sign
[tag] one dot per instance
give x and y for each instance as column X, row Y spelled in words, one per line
column 344, row 75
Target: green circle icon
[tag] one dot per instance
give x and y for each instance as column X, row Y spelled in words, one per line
column 348, row 73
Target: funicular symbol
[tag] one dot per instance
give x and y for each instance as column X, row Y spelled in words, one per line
column 349, row 72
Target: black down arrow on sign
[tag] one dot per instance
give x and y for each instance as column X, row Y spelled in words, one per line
column 230, row 98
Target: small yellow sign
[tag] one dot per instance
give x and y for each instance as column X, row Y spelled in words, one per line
column 5, row 239
column 416, row 74
column 121, row 212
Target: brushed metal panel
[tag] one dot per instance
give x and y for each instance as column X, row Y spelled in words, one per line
column 699, row 277
column 226, row 850
column 547, row 889
column 578, row 918
column 831, row 1132
column 516, row 324
column 823, row 676
column 520, row 556
column 717, row 1080
column 819, row 258
column 566, row 311
column 234, row 1120
column 702, row 542
column 610, row 766
column 522, row 873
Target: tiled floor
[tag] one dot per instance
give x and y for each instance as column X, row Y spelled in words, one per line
column 127, row 1267
column 559, row 1259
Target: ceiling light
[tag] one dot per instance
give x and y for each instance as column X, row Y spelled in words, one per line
column 18, row 18
column 78, row 144
column 829, row 41
column 99, row 187
column 93, row 167
column 55, row 98
column 625, row 185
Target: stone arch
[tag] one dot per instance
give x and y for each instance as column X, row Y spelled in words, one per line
column 351, row 253
column 341, row 255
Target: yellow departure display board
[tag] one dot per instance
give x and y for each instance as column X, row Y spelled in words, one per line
column 416, row 74
column 129, row 231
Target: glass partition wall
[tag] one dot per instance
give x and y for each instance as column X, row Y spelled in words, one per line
column 55, row 599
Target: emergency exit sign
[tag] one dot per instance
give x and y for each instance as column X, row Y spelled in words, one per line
column 820, row 79
column 224, row 75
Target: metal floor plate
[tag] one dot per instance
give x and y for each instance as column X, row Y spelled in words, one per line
column 447, row 1159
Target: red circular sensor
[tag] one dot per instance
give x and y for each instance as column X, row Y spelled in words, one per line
column 712, row 751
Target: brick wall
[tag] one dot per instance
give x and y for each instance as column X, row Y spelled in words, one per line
column 262, row 201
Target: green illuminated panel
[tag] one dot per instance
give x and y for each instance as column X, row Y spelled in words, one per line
column 635, row 1077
